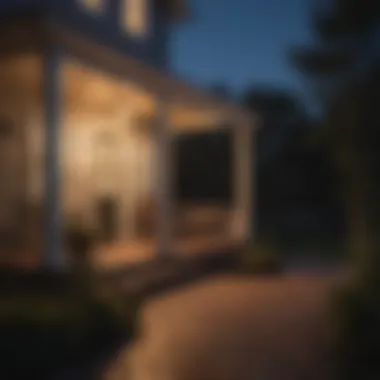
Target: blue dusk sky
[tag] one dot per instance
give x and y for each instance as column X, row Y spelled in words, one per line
column 241, row 42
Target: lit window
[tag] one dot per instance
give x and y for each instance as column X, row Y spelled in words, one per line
column 93, row 6
column 135, row 18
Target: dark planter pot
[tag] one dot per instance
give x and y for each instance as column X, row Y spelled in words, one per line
column 79, row 243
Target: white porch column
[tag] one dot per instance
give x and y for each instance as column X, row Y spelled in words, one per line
column 53, row 227
column 243, row 173
column 163, row 179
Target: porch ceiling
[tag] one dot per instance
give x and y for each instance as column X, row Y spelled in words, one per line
column 190, row 109
column 92, row 92
column 21, row 80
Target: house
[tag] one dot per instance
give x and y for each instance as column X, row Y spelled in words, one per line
column 89, row 118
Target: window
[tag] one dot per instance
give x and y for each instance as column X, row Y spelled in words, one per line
column 93, row 6
column 135, row 17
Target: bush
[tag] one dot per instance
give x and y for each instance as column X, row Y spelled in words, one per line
column 44, row 335
column 356, row 321
column 79, row 243
column 260, row 258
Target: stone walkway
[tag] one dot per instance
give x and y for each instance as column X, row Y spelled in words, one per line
column 231, row 328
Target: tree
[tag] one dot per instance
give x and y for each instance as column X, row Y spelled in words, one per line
column 204, row 167
column 342, row 67
column 292, row 176
column 281, row 114
column 293, row 181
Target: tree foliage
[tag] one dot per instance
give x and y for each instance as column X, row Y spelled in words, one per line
column 349, row 91
column 293, row 180
column 342, row 67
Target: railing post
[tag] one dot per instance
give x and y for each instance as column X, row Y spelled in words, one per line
column 52, row 103
column 243, row 169
column 163, row 178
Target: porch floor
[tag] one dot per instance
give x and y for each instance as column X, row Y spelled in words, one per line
column 111, row 256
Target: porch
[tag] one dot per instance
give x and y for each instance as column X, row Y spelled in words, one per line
column 108, row 131
column 199, row 229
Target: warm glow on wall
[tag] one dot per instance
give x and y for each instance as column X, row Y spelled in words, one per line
column 135, row 17
column 78, row 147
column 94, row 6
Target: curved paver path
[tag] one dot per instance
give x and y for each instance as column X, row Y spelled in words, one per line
column 230, row 328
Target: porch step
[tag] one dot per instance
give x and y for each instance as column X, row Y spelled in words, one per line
column 148, row 279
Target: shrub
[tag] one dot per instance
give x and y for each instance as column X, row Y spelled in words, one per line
column 46, row 335
column 356, row 322
column 260, row 257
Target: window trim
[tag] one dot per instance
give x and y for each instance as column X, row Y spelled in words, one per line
column 125, row 22
column 96, row 9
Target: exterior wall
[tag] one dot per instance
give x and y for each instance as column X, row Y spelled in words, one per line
column 101, row 156
column 102, row 159
column 105, row 155
column 162, row 32
column 21, row 160
column 106, row 29
column 9, row 5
